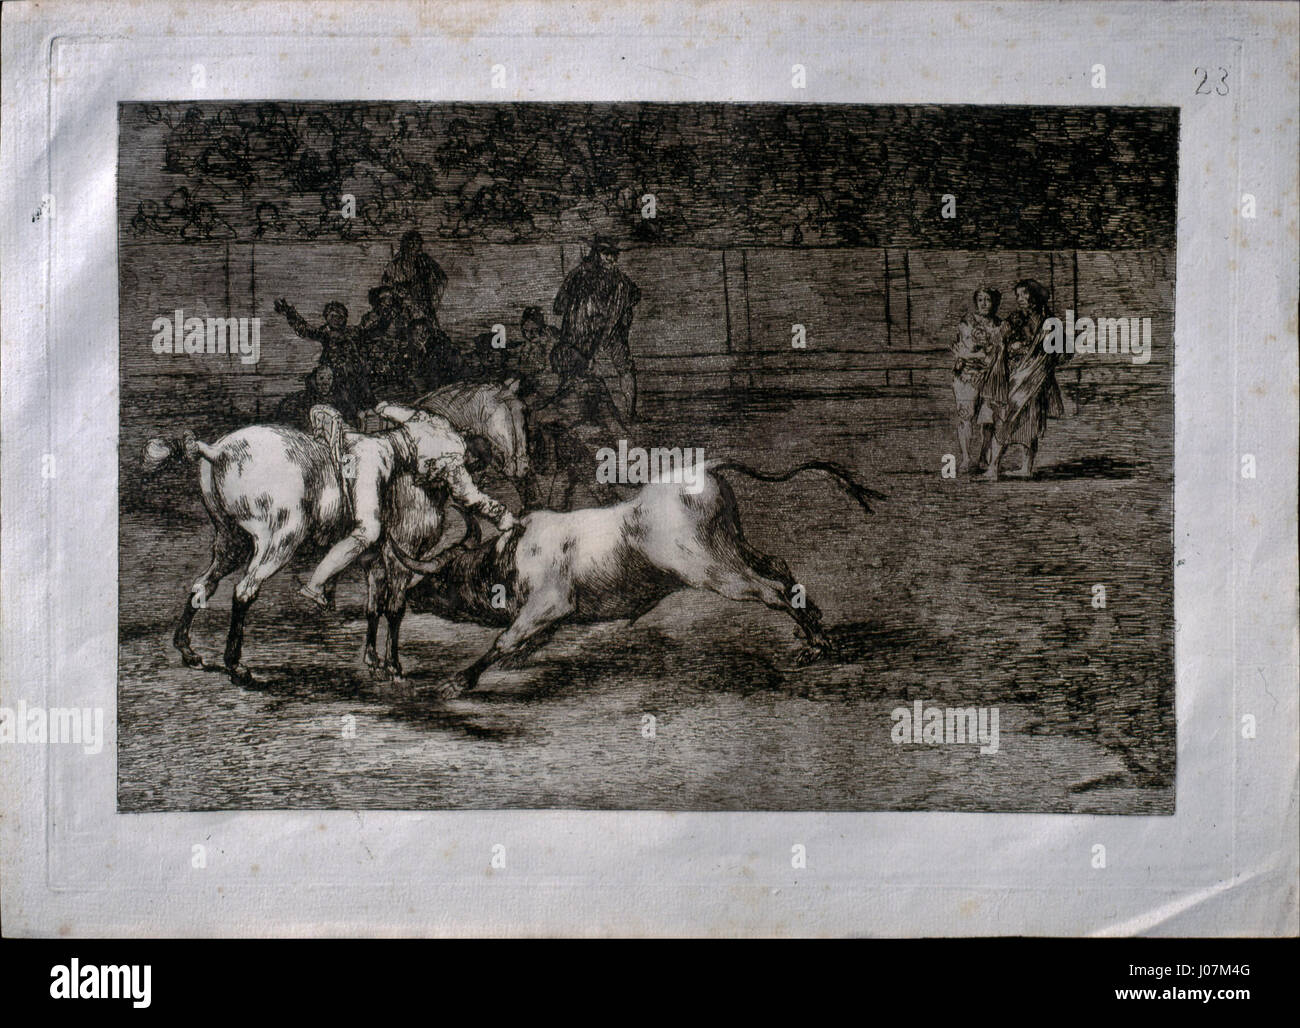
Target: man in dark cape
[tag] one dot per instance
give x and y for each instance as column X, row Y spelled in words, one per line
column 596, row 302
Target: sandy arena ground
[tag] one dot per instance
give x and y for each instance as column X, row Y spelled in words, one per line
column 957, row 593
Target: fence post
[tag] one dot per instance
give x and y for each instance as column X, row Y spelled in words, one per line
column 726, row 310
column 907, row 296
column 889, row 320
column 252, row 290
column 749, row 331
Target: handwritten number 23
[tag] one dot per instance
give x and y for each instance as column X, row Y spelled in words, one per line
column 1205, row 87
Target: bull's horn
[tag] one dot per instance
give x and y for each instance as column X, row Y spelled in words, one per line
column 422, row 567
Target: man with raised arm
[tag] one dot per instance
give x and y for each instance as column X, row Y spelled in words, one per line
column 340, row 353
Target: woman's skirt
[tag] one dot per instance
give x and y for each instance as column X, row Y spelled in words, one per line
column 1033, row 396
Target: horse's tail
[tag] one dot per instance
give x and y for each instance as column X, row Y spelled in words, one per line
column 855, row 489
column 159, row 451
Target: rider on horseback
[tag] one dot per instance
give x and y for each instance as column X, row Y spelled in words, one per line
column 423, row 445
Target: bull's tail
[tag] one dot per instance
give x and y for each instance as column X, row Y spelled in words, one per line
column 855, row 489
column 159, row 451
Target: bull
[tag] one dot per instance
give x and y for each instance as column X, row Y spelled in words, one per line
column 607, row 564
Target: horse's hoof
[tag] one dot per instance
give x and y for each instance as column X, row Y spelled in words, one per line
column 393, row 669
column 371, row 657
column 241, row 676
column 190, row 659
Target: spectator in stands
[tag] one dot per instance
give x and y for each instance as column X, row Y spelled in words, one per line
column 525, row 357
column 432, row 362
column 385, row 334
column 416, row 279
column 341, row 354
column 318, row 387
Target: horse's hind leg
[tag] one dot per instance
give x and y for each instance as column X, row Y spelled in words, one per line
column 229, row 550
column 271, row 551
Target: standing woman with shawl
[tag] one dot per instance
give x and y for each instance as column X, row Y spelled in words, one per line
column 1032, row 392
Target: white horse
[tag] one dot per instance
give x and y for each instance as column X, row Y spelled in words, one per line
column 268, row 489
